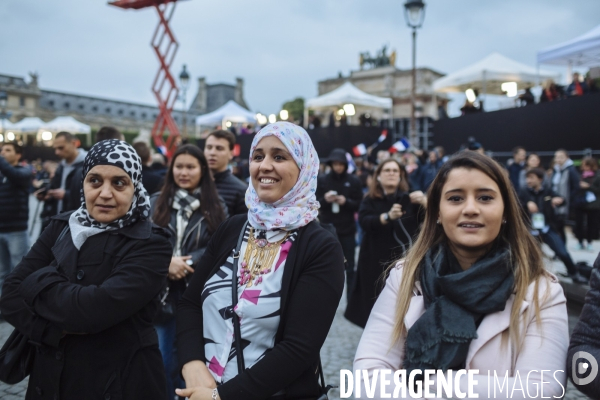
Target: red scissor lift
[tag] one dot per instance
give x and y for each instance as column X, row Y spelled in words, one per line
column 164, row 87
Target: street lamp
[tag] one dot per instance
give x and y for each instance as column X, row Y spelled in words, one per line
column 184, row 80
column 414, row 13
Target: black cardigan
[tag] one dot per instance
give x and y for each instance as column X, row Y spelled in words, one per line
column 312, row 286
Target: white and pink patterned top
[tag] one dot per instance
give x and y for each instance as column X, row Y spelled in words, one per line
column 259, row 309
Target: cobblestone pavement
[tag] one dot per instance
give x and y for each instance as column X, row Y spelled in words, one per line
column 339, row 348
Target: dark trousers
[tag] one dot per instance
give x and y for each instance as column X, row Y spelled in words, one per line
column 554, row 241
column 348, row 243
column 586, row 225
column 560, row 222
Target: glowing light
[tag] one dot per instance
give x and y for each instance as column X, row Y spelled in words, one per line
column 340, row 111
column 10, row 136
column 349, row 109
column 272, row 118
column 470, row 95
column 1, row 138
column 284, row 115
column 46, row 135
column 228, row 124
column 261, row 119
column 510, row 88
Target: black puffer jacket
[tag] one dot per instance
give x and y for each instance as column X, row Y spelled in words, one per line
column 586, row 337
column 344, row 184
column 14, row 197
column 233, row 191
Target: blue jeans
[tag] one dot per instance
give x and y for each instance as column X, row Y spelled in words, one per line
column 166, row 343
column 13, row 247
column 555, row 242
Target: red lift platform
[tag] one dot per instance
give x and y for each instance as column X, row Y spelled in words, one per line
column 164, row 87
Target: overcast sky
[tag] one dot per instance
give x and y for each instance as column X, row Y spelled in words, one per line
column 280, row 47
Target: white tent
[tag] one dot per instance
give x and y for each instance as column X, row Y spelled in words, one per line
column 348, row 94
column 29, row 124
column 68, row 124
column 488, row 75
column 230, row 111
column 5, row 124
column 583, row 51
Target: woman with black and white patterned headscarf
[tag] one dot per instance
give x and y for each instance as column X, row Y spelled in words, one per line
column 117, row 154
column 86, row 291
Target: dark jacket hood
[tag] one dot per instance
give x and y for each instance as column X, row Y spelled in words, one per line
column 338, row 155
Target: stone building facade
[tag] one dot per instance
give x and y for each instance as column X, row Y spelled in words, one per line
column 389, row 81
column 27, row 99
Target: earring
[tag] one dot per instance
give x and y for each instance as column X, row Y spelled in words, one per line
column 378, row 179
column 438, row 222
column 504, row 221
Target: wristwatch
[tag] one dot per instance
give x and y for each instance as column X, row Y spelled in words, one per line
column 386, row 216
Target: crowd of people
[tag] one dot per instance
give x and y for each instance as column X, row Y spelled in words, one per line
column 155, row 280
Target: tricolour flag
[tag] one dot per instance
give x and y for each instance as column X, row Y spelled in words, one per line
column 382, row 136
column 351, row 164
column 359, row 150
column 162, row 149
column 400, row 145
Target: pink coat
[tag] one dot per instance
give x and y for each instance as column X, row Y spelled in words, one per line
column 544, row 348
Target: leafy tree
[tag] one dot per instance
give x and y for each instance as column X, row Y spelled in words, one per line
column 295, row 108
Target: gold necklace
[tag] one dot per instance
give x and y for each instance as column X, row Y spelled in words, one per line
column 258, row 259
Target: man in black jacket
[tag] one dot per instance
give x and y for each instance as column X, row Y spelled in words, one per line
column 219, row 152
column 150, row 179
column 64, row 193
column 14, row 208
column 340, row 194
column 539, row 202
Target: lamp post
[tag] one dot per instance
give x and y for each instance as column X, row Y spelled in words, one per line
column 184, row 80
column 414, row 13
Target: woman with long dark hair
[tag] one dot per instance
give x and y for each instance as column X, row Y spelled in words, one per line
column 252, row 322
column 472, row 293
column 389, row 217
column 190, row 208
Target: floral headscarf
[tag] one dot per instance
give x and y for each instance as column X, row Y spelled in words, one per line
column 299, row 206
column 118, row 154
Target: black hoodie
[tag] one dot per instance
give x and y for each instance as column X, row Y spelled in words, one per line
column 344, row 184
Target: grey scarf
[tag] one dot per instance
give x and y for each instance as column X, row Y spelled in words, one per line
column 456, row 301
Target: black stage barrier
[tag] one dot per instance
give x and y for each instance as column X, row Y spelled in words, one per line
column 572, row 124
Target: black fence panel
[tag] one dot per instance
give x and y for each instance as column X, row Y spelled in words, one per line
column 572, row 124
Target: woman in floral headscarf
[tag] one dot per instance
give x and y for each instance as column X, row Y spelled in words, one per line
column 288, row 273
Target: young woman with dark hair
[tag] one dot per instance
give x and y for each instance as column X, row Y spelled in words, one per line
column 190, row 208
column 472, row 292
column 389, row 217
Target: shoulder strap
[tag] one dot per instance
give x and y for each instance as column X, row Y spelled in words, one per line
column 234, row 301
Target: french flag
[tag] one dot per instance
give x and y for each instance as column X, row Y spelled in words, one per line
column 351, row 164
column 359, row 150
column 383, row 136
column 162, row 149
column 400, row 145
